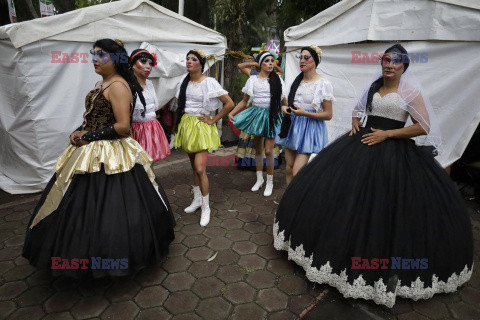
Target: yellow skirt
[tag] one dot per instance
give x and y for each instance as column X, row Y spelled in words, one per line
column 195, row 136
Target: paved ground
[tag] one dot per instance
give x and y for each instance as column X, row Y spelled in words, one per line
column 247, row 278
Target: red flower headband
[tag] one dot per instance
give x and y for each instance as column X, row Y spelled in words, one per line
column 145, row 51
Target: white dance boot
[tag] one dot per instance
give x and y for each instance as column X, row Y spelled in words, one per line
column 259, row 182
column 269, row 186
column 205, row 218
column 197, row 200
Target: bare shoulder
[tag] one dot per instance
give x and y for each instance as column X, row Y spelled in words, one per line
column 118, row 88
column 120, row 85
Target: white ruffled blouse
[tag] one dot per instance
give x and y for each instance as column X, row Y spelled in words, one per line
column 151, row 104
column 310, row 94
column 201, row 97
column 259, row 90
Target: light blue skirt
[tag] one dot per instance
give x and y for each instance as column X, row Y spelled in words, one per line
column 256, row 121
column 306, row 135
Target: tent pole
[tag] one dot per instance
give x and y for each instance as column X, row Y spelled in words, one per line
column 180, row 6
column 220, row 77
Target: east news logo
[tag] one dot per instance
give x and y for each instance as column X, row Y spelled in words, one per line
column 392, row 263
column 92, row 263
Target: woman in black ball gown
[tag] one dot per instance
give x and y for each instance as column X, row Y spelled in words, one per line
column 373, row 214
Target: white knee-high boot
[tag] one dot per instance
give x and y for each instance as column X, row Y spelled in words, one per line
column 205, row 218
column 269, row 186
column 259, row 182
column 197, row 200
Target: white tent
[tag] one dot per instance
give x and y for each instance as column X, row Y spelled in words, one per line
column 442, row 37
column 42, row 93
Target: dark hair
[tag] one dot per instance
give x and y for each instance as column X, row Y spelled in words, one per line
column 275, row 94
column 299, row 78
column 275, row 99
column 377, row 84
column 398, row 48
column 287, row 121
column 120, row 59
column 134, row 56
column 182, row 97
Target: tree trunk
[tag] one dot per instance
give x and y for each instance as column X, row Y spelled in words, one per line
column 4, row 15
column 199, row 12
column 32, row 9
column 25, row 10
column 235, row 41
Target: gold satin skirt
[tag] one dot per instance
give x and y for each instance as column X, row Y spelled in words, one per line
column 116, row 156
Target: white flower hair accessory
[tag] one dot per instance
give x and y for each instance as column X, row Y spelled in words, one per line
column 200, row 52
column 317, row 50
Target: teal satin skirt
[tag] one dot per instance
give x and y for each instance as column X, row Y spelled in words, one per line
column 255, row 121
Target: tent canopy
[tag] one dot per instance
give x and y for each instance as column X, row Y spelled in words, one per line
column 441, row 34
column 129, row 20
column 387, row 20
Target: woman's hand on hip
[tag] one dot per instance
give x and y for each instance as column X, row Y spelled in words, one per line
column 206, row 119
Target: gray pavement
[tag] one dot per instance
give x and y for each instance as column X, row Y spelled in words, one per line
column 228, row 270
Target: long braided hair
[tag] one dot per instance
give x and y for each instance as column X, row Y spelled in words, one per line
column 287, row 121
column 182, row 96
column 275, row 94
column 120, row 59
column 299, row 78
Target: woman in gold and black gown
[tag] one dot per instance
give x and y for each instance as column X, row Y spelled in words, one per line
column 102, row 203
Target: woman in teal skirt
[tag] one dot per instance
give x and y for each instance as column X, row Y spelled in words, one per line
column 263, row 118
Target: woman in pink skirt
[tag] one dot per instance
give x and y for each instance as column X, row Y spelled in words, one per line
column 145, row 127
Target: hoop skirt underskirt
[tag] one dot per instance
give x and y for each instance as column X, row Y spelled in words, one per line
column 102, row 202
column 389, row 200
column 245, row 154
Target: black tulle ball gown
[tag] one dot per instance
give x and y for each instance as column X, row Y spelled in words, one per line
column 103, row 213
column 355, row 204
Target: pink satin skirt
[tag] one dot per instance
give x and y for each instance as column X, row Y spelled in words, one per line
column 152, row 138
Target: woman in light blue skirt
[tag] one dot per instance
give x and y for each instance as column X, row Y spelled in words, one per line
column 263, row 118
column 310, row 99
